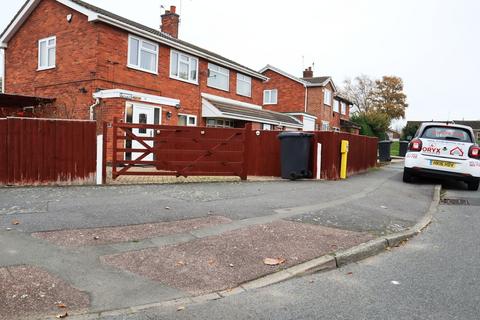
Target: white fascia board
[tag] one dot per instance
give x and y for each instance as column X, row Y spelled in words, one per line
column 135, row 96
column 17, row 23
column 237, row 103
column 178, row 46
column 283, row 73
column 92, row 15
column 303, row 114
column 28, row 9
column 210, row 111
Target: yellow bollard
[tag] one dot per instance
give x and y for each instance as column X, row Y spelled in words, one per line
column 343, row 165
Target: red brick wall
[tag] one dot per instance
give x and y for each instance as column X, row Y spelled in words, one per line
column 75, row 60
column 291, row 94
column 317, row 107
column 91, row 56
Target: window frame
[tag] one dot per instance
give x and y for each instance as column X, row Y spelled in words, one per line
column 188, row 117
column 267, row 127
column 270, row 91
column 47, row 48
column 140, row 41
column 326, row 101
column 343, row 108
column 191, row 58
column 249, row 82
column 219, row 71
column 336, row 106
column 325, row 124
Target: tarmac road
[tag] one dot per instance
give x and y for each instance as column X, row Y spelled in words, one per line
column 434, row 276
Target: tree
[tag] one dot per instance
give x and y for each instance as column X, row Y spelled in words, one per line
column 360, row 91
column 408, row 132
column 389, row 98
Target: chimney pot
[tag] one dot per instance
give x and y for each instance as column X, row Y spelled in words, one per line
column 173, row 9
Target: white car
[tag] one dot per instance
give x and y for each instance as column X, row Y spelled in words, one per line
column 444, row 150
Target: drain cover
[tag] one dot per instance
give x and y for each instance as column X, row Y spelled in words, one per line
column 456, row 202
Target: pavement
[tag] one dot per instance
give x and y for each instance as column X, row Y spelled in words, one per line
column 124, row 246
column 434, row 276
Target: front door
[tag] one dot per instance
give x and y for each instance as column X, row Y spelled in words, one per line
column 144, row 114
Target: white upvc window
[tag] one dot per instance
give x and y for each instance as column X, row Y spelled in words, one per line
column 344, row 108
column 244, row 85
column 46, row 53
column 187, row 120
column 327, row 97
column 142, row 54
column 267, row 126
column 325, row 125
column 270, row 96
column 220, row 123
column 336, row 106
column 218, row 77
column 183, row 67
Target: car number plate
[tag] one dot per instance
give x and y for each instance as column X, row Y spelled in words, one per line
column 444, row 164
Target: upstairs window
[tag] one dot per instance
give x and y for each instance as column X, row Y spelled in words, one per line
column 183, row 67
column 270, row 96
column 336, row 106
column 244, row 85
column 218, row 77
column 142, row 55
column 344, row 108
column 327, row 97
column 46, row 53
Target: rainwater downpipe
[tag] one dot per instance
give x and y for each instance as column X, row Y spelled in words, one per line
column 92, row 108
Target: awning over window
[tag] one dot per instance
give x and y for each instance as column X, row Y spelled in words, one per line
column 20, row 101
column 219, row 107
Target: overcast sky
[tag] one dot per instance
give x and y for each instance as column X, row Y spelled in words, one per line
column 432, row 44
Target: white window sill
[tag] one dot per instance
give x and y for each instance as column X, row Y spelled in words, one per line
column 270, row 103
column 143, row 70
column 183, row 80
column 222, row 89
column 46, row 68
column 244, row 95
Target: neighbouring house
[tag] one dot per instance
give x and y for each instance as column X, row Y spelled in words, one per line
column 474, row 124
column 313, row 100
column 393, row 135
column 98, row 65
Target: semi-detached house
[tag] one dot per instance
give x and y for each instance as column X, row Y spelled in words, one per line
column 313, row 100
column 99, row 65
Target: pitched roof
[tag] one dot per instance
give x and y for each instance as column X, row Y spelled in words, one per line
column 307, row 82
column 157, row 34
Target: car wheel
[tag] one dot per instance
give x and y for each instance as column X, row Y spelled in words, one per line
column 473, row 185
column 407, row 176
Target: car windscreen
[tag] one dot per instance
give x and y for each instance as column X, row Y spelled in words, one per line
column 447, row 133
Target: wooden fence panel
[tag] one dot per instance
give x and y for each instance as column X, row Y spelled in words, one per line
column 42, row 151
column 263, row 154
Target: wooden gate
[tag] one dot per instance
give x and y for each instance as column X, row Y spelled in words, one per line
column 178, row 151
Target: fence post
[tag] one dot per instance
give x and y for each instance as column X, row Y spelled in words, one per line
column 104, row 152
column 114, row 148
column 247, row 144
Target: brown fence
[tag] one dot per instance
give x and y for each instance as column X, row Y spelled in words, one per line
column 43, row 151
column 190, row 151
column 362, row 153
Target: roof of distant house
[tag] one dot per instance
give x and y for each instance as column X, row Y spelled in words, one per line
column 307, row 82
column 135, row 27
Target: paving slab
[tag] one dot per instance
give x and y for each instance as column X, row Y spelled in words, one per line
column 27, row 291
column 227, row 260
column 98, row 236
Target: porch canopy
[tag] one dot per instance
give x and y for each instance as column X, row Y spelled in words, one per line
column 21, row 101
column 219, row 107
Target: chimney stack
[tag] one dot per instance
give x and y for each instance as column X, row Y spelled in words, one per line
column 308, row 73
column 170, row 22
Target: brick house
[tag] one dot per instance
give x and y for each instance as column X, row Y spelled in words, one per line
column 314, row 100
column 98, row 65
